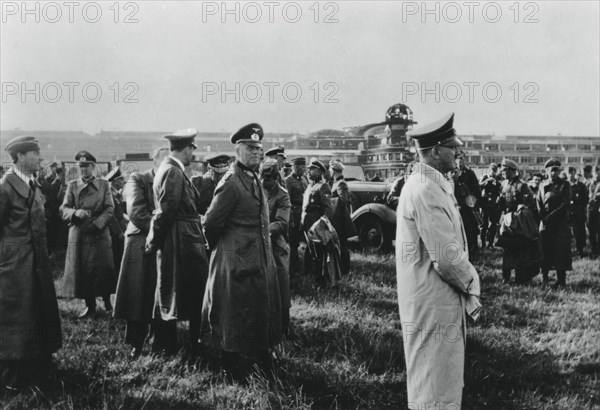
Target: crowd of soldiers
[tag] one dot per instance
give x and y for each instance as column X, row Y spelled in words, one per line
column 222, row 250
column 533, row 220
column 216, row 250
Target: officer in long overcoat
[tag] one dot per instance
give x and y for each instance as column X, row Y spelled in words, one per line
column 553, row 201
column 134, row 300
column 88, row 209
column 279, row 215
column 437, row 285
column 176, row 237
column 296, row 185
column 29, row 322
column 241, row 315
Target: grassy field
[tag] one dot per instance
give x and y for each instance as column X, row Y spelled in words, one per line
column 533, row 348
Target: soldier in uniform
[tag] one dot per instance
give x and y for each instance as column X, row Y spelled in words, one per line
column 579, row 200
column 396, row 188
column 468, row 180
column 118, row 224
column 296, row 186
column 519, row 253
column 593, row 212
column 207, row 183
column 88, row 207
column 555, row 233
column 340, row 190
column 134, row 299
column 491, row 186
column 53, row 219
column 316, row 203
column 241, row 313
column 287, row 170
column 176, row 237
column 279, row 215
column 278, row 154
column 29, row 322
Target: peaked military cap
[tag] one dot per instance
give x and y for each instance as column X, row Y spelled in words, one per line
column 336, row 165
column 269, row 167
column 275, row 151
column 217, row 159
column 551, row 163
column 84, row 156
column 438, row 133
column 251, row 134
column 22, row 144
column 299, row 161
column 182, row 138
column 509, row 163
column 315, row 163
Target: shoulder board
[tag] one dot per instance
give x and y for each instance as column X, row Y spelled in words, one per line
column 283, row 189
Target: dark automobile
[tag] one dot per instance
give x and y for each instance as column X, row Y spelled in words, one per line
column 375, row 221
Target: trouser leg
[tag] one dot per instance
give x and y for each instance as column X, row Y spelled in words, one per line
column 136, row 333
column 165, row 336
column 561, row 277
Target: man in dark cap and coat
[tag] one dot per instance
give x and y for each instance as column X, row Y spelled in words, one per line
column 134, row 300
column 437, row 285
column 176, row 236
column 296, row 184
column 278, row 154
column 553, row 202
column 29, row 322
column 521, row 250
column 207, row 183
column 578, row 205
column 241, row 315
column 316, row 203
column 88, row 208
column 279, row 216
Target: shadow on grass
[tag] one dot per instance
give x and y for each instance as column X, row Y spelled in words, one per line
column 492, row 370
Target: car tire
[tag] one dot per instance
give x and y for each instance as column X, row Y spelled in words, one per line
column 373, row 236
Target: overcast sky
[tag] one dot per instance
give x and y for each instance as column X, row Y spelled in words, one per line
column 505, row 68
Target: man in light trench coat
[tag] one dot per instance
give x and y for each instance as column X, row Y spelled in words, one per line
column 437, row 285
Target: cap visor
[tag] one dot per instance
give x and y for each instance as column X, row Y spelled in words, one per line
column 251, row 142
